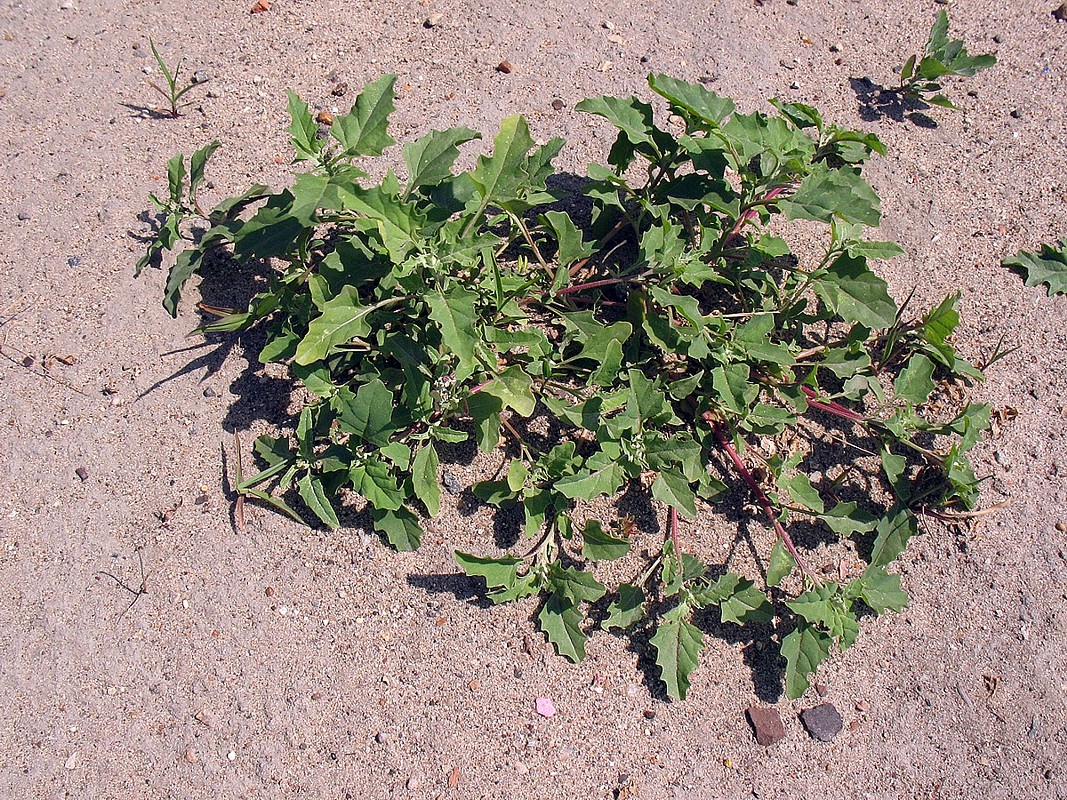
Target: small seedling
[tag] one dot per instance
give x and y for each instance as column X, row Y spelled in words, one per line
column 1048, row 267
column 172, row 94
column 920, row 78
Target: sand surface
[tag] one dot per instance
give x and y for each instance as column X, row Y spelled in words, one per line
column 286, row 662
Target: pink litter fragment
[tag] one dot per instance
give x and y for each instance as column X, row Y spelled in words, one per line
column 544, row 706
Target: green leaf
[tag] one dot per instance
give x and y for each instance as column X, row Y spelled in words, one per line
column 599, row 545
column 780, row 565
column 342, row 319
column 497, row 177
column 746, row 604
column 497, row 572
column 364, row 130
column 456, row 315
column 802, row 492
column 733, row 388
column 678, row 644
column 185, row 266
column 803, row 649
column 575, row 585
column 1048, row 267
column 628, row 114
column 424, row 478
column 197, row 164
column 373, row 480
column 627, row 609
column 400, row 526
column 829, row 607
column 571, row 245
column 692, row 98
column 429, row 160
column 591, row 483
column 514, row 388
column 561, row 622
column 672, row 488
column 368, row 413
column 852, row 290
column 891, row 536
column 881, row 590
column 915, row 382
column 846, row 519
column 303, row 130
column 829, row 193
column 312, row 493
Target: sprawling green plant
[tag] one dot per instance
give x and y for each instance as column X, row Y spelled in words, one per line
column 673, row 342
column 921, row 76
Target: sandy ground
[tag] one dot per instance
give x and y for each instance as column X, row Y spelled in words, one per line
column 283, row 662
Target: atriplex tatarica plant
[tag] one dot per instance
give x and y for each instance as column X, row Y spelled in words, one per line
column 672, row 343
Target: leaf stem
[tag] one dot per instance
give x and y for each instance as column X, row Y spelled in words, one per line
column 717, row 430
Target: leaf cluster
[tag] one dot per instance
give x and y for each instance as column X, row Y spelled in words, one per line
column 665, row 337
column 921, row 75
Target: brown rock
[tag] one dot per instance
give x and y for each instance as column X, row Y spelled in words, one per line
column 1061, row 12
column 505, row 67
column 557, row 104
column 767, row 724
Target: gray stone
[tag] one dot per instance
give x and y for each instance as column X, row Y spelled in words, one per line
column 822, row 722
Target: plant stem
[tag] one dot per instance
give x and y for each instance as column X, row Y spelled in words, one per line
column 761, row 497
column 833, row 407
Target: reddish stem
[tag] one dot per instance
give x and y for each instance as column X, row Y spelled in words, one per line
column 761, row 497
column 594, row 285
column 750, row 215
column 832, row 407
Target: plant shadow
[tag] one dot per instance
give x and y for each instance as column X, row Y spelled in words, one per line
column 876, row 102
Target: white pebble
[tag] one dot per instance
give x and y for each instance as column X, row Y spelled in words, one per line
column 232, row 756
column 72, row 761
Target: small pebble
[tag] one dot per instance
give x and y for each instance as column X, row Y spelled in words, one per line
column 74, row 261
column 675, row 119
column 340, row 89
column 649, row 713
column 269, row 591
column 190, row 756
column 863, row 706
column 383, row 737
column 767, row 724
column 1060, row 13
column 505, row 67
column 23, row 215
column 413, row 783
column 200, row 76
column 209, row 392
column 432, row 21
column 545, row 707
column 822, row 722
column 608, row 26
column 82, row 473
column 67, row 5
column 1000, row 456
column 604, row 66
column 231, row 756
column 790, row 2
column 72, row 761
column 474, row 684
column 453, row 485
column 835, row 48
column 1061, row 526
column 998, row 38
column 615, row 39
column 1016, row 113
column 557, row 104
column 822, row 689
